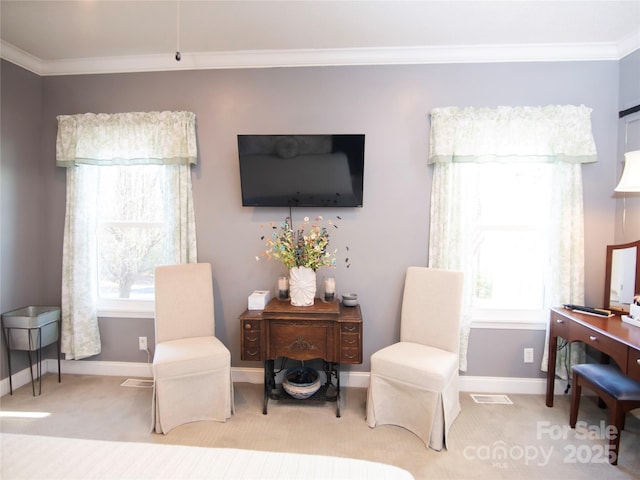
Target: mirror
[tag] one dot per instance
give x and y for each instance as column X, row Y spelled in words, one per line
column 622, row 277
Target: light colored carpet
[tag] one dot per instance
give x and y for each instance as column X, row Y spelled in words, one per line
column 525, row 440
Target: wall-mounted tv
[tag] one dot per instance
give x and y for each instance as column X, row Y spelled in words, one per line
column 301, row 170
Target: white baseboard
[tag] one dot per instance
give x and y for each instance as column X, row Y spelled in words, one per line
column 50, row 365
column 474, row 384
column 513, row 385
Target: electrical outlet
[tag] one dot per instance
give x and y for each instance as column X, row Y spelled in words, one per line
column 142, row 343
column 528, row 355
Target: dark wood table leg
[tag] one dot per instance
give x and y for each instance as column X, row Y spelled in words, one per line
column 551, row 369
column 337, row 373
column 269, row 383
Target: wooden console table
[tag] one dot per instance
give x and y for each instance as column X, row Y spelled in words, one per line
column 328, row 331
column 610, row 335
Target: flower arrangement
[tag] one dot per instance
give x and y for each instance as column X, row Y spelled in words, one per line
column 307, row 246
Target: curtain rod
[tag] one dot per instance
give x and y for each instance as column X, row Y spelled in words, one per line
column 629, row 111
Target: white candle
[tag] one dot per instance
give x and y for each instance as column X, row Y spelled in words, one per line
column 283, row 284
column 330, row 285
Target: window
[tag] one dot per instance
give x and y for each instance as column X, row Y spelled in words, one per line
column 510, row 246
column 132, row 236
column 129, row 208
column 506, row 208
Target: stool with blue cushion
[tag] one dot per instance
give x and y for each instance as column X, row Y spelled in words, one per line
column 619, row 392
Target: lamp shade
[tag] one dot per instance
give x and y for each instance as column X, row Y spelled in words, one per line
column 630, row 180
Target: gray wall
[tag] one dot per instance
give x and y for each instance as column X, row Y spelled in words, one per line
column 628, row 140
column 22, row 218
column 390, row 104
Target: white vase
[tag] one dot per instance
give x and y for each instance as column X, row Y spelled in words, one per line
column 302, row 286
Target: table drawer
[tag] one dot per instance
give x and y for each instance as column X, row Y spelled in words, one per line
column 251, row 334
column 350, row 328
column 300, row 341
column 350, row 351
column 251, row 340
column 250, row 353
column 604, row 344
column 633, row 364
column 560, row 326
column 251, row 325
column 350, row 343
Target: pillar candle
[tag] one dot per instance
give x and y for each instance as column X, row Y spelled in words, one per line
column 330, row 285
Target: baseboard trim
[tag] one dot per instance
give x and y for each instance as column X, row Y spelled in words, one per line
column 476, row 384
column 514, row 385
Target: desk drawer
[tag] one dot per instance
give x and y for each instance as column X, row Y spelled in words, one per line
column 617, row 351
column 633, row 368
column 560, row 326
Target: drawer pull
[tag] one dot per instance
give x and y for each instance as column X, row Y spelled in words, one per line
column 350, row 328
column 593, row 338
column 638, row 361
column 346, row 355
column 350, row 341
column 559, row 320
column 252, row 353
column 252, row 339
column 247, row 326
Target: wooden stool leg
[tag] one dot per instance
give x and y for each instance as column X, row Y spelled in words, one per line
column 575, row 401
column 619, row 392
column 616, row 419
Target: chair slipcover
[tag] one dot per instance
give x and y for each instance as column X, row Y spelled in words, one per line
column 191, row 367
column 414, row 383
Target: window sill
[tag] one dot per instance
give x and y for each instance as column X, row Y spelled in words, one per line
column 127, row 309
column 510, row 319
column 504, row 325
column 124, row 314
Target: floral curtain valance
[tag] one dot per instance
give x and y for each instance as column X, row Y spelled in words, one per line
column 166, row 138
column 555, row 133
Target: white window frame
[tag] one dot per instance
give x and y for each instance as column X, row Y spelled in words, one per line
column 510, row 318
column 123, row 307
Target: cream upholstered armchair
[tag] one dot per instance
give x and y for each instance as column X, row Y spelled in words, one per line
column 191, row 367
column 414, row 383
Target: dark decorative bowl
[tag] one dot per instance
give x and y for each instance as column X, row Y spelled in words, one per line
column 301, row 382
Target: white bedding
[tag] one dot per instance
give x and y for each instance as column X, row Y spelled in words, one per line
column 38, row 457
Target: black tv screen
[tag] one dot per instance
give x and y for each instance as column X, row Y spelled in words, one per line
column 301, row 170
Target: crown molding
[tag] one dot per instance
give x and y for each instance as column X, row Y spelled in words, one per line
column 323, row 57
column 20, row 57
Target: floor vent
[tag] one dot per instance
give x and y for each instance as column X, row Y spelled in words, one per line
column 137, row 382
column 494, row 399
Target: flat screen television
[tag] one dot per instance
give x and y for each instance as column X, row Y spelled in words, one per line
column 301, row 170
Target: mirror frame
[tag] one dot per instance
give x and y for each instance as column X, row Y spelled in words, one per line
column 607, row 277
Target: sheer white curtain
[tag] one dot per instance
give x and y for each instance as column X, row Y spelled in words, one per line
column 85, row 144
column 558, row 135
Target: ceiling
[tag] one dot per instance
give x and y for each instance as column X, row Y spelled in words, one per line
column 100, row 36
